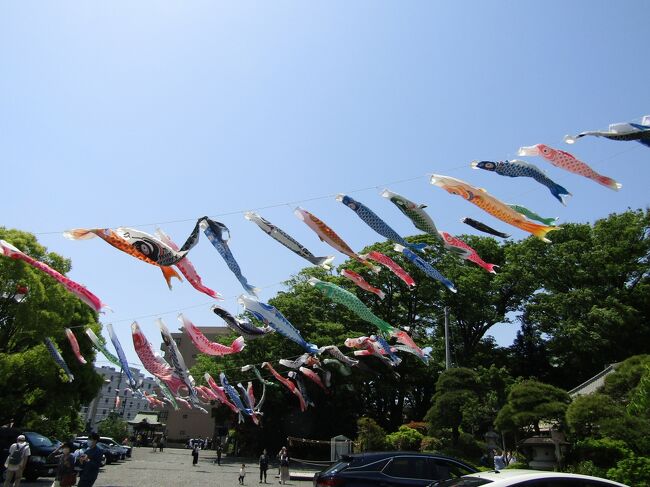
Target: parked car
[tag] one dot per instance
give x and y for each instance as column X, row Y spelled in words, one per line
column 83, row 444
column 41, row 462
column 111, row 454
column 391, row 469
column 526, row 478
column 124, row 449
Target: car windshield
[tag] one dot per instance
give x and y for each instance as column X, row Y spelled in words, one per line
column 461, row 482
column 38, row 440
column 108, row 441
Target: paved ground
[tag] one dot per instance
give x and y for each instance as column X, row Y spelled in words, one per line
column 174, row 468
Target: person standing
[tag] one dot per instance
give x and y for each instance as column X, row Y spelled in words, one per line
column 195, row 455
column 219, row 454
column 500, row 460
column 284, row 465
column 155, row 444
column 242, row 474
column 65, row 472
column 91, row 461
column 264, row 466
column 16, row 461
column 162, row 443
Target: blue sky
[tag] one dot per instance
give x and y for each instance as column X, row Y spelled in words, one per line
column 136, row 113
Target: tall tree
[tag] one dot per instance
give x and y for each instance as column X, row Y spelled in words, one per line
column 31, row 381
column 593, row 301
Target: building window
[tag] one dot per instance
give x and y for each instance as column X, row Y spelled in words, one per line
column 109, row 389
column 106, row 400
column 184, row 416
column 148, row 386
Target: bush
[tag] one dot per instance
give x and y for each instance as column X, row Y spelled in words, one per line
column 405, row 439
column 587, row 467
column 370, row 436
column 603, row 453
column 430, row 443
column 631, row 471
column 467, row 448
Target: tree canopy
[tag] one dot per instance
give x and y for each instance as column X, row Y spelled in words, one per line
column 34, row 389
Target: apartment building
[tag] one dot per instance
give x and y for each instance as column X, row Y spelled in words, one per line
column 115, row 384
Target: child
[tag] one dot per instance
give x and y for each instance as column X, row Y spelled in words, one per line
column 242, row 474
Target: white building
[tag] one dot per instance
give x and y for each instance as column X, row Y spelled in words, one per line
column 115, row 384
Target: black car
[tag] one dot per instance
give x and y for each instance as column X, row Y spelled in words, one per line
column 41, row 462
column 83, row 444
column 111, row 454
column 391, row 469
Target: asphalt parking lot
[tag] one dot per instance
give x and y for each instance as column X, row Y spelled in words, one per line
column 174, row 467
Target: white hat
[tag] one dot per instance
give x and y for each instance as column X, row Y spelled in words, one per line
column 21, row 438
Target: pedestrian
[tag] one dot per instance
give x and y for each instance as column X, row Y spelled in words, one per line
column 284, row 465
column 65, row 472
column 219, row 454
column 16, row 461
column 138, row 441
column 155, row 444
column 500, row 460
column 264, row 465
column 91, row 461
column 242, row 474
column 512, row 458
column 162, row 443
column 195, row 455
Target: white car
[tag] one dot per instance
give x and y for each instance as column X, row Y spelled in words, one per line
column 526, row 478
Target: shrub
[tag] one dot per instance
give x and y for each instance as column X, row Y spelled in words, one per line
column 631, row 471
column 586, row 467
column 370, row 436
column 405, row 438
column 430, row 443
column 603, row 453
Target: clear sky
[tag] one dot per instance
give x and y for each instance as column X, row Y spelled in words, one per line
column 136, row 113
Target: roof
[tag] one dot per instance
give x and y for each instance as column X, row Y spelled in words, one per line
column 515, row 476
column 150, row 418
column 592, row 385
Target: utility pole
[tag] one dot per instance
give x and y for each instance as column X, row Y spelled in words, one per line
column 447, row 354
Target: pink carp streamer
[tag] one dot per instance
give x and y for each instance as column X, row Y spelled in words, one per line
column 568, row 162
column 220, row 393
column 152, row 362
column 390, row 264
column 313, row 376
column 187, row 268
column 410, row 345
column 74, row 344
column 362, row 283
column 75, row 288
column 288, row 384
column 204, row 345
column 470, row 254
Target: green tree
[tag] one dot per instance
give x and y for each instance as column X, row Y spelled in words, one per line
column 454, row 389
column 114, row 427
column 34, row 391
column 593, row 298
column 529, row 403
column 621, row 384
column 585, row 414
column 370, row 436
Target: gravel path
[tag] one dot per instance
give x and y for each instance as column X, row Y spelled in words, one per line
column 174, row 467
